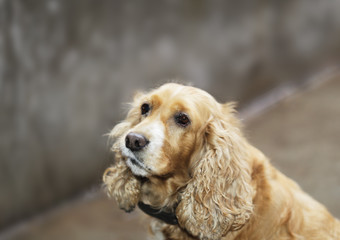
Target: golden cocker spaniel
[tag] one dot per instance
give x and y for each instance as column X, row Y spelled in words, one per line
column 181, row 157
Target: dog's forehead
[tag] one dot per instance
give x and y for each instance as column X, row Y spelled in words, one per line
column 169, row 91
column 173, row 102
column 170, row 99
column 179, row 96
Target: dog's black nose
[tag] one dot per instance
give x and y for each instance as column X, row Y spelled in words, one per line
column 135, row 141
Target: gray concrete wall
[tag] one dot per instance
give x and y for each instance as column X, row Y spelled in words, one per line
column 66, row 67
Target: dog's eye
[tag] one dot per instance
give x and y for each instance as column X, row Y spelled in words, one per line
column 182, row 119
column 145, row 108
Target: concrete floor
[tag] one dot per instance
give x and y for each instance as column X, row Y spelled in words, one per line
column 88, row 217
column 301, row 135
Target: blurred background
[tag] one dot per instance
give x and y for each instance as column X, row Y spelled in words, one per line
column 66, row 67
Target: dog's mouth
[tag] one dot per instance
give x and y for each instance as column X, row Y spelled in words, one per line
column 137, row 167
column 136, row 162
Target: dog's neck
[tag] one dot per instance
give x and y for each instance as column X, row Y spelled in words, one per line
column 165, row 215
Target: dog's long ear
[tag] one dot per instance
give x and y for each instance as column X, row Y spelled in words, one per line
column 119, row 182
column 218, row 197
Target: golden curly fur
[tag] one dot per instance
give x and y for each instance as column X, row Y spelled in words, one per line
column 197, row 163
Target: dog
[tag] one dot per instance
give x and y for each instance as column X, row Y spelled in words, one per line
column 182, row 158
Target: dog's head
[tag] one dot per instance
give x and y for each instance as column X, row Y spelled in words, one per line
column 163, row 130
column 190, row 148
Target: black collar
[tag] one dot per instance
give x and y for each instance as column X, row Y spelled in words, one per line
column 168, row 217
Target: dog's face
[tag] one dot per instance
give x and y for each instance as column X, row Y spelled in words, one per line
column 165, row 128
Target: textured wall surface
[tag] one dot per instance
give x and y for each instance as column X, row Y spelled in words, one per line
column 66, row 67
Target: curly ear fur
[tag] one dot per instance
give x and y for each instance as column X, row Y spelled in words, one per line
column 122, row 186
column 119, row 182
column 218, row 198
